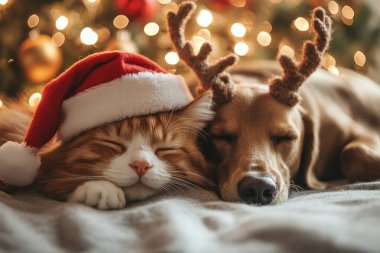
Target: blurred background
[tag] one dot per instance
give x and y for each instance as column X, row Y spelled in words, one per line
column 41, row 38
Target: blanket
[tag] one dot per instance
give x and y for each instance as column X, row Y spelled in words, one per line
column 344, row 219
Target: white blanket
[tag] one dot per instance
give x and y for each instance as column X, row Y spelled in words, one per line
column 346, row 219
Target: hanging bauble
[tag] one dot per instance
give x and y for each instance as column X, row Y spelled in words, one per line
column 39, row 59
column 137, row 9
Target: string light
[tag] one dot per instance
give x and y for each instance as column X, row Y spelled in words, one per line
column 91, row 1
column 241, row 48
column 238, row 3
column 333, row 70
column 120, row 21
column 151, row 29
column 61, row 22
column 3, row 2
column 264, row 39
column 348, row 12
column 360, row 58
column 238, row 30
column 287, row 50
column 172, row 58
column 58, row 39
column 333, row 7
column 33, row 21
column 35, row 99
column 204, row 18
column 301, row 24
column 1, row 103
column 88, row 36
column 164, row 1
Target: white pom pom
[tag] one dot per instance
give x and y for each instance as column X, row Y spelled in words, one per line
column 19, row 163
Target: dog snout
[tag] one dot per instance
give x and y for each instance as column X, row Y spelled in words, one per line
column 257, row 189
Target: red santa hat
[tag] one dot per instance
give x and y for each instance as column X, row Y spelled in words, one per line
column 101, row 88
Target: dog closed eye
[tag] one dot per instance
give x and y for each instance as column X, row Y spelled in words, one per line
column 286, row 138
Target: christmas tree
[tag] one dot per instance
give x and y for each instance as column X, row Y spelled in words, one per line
column 41, row 38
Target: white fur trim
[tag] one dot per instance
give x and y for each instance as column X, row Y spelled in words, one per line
column 131, row 95
column 19, row 163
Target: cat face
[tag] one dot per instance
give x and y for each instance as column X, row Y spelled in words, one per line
column 142, row 155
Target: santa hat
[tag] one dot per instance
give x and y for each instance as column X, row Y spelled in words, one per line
column 101, row 88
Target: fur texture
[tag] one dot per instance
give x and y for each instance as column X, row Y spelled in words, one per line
column 105, row 153
column 331, row 137
column 95, row 169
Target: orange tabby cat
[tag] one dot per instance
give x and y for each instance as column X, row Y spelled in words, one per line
column 129, row 159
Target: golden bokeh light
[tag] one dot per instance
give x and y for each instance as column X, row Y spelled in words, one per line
column 204, row 18
column 164, row 1
column 238, row 30
column 58, row 39
column 348, row 12
column 172, row 58
column 360, row 58
column 120, row 21
column 88, row 36
column 35, row 99
column 301, row 24
column 333, row 7
column 151, row 29
column 241, row 48
column 61, row 22
column 287, row 50
column 264, row 39
column 33, row 20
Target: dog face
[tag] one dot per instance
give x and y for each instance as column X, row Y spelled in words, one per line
column 260, row 142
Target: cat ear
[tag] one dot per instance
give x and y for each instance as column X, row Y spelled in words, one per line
column 199, row 112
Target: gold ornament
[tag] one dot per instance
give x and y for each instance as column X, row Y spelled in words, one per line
column 40, row 59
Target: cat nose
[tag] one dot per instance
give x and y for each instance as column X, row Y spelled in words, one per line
column 141, row 166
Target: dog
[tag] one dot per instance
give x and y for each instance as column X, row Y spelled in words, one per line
column 306, row 125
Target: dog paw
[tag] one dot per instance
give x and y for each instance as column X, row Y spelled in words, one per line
column 103, row 195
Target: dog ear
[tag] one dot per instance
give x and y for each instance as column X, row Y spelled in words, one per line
column 310, row 152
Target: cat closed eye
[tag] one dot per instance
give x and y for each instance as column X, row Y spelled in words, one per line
column 166, row 149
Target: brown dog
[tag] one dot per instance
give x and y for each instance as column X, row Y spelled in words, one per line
column 265, row 135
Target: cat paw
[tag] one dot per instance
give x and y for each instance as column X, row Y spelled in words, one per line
column 103, row 195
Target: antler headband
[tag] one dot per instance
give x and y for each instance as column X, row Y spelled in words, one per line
column 210, row 76
column 285, row 88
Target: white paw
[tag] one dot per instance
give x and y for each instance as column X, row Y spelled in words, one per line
column 100, row 194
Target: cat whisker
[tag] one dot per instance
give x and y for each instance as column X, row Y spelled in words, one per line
column 208, row 181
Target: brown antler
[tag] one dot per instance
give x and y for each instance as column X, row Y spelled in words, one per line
column 210, row 76
column 285, row 88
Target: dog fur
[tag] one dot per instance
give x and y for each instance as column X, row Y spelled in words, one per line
column 331, row 137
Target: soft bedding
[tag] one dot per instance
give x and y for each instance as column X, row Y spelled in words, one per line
column 346, row 219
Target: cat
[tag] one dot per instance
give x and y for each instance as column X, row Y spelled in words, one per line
column 130, row 159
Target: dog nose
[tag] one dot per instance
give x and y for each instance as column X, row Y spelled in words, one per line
column 141, row 166
column 257, row 189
